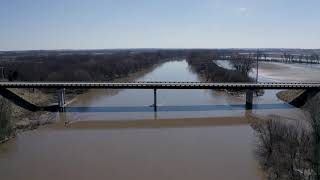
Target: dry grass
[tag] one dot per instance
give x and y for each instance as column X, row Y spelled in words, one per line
column 289, row 95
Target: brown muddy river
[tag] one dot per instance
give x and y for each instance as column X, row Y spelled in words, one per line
column 196, row 134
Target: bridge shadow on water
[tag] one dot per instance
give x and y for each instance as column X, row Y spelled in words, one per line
column 168, row 123
column 177, row 108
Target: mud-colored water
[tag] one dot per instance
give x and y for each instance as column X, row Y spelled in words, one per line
column 196, row 134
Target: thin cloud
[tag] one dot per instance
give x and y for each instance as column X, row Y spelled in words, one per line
column 244, row 11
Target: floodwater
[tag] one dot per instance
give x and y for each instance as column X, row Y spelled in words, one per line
column 114, row 134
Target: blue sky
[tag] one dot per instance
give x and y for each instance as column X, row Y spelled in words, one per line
column 99, row 24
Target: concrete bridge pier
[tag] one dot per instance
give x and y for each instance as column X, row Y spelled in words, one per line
column 61, row 99
column 249, row 99
column 155, row 100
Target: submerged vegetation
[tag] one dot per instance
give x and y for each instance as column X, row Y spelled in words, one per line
column 203, row 64
column 290, row 150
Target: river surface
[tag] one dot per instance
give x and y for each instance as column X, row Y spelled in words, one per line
column 114, row 134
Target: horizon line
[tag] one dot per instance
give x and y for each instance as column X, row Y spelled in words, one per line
column 100, row 49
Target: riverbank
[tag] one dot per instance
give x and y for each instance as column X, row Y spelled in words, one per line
column 289, row 95
column 24, row 120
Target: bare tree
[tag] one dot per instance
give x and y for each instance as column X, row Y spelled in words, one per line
column 283, row 149
column 5, row 121
column 314, row 121
column 243, row 64
column 291, row 150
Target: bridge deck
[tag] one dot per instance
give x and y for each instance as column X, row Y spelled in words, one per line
column 159, row 85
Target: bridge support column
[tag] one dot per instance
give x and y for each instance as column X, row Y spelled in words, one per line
column 61, row 100
column 155, row 100
column 249, row 99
